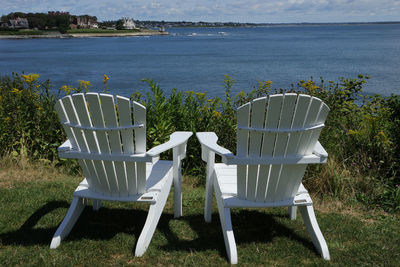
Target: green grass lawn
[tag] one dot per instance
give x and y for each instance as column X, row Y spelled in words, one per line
column 22, row 32
column 101, row 31
column 34, row 200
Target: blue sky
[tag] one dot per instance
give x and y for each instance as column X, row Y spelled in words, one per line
column 273, row 11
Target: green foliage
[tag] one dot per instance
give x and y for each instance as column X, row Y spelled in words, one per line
column 188, row 111
column 119, row 25
column 28, row 123
column 101, row 31
column 42, row 20
column 20, row 32
column 361, row 132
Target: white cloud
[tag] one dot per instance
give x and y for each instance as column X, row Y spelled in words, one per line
column 219, row 10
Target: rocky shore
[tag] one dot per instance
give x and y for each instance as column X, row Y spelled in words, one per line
column 84, row 35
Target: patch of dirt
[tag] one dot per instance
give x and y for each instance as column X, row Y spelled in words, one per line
column 12, row 173
column 357, row 211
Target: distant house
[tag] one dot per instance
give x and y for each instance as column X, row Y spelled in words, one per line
column 4, row 25
column 58, row 13
column 19, row 23
column 128, row 24
column 83, row 22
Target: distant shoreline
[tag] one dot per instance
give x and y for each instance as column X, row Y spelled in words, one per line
column 202, row 24
column 83, row 35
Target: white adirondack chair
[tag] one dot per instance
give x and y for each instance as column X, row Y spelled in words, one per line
column 112, row 154
column 277, row 136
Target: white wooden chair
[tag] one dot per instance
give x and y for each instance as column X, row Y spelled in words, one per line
column 111, row 151
column 277, row 136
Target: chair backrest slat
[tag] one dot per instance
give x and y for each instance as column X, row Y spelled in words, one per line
column 125, row 119
column 243, row 119
column 87, row 119
column 257, row 121
column 278, row 126
column 140, row 144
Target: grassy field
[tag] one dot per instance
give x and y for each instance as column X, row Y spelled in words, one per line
column 35, row 198
column 101, row 31
column 93, row 31
column 22, row 32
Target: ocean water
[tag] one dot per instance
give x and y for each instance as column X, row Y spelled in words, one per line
column 198, row 58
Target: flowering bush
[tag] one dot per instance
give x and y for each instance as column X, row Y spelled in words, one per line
column 361, row 132
column 28, row 123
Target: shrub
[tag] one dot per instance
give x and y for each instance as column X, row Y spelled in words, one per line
column 28, row 123
column 361, row 132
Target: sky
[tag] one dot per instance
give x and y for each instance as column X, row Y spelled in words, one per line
column 256, row 11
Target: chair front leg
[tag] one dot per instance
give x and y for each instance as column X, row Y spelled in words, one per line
column 307, row 212
column 152, row 219
column 74, row 211
column 177, row 165
column 209, row 185
column 227, row 231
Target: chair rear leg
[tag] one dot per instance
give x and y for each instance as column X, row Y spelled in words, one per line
column 229, row 238
column 152, row 219
column 208, row 201
column 96, row 204
column 178, row 195
column 307, row 212
column 292, row 210
column 74, row 211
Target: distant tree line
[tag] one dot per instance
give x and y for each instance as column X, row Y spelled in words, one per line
column 117, row 24
column 42, row 21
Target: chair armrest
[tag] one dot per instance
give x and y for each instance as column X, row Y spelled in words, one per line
column 319, row 150
column 176, row 139
column 209, row 140
column 66, row 146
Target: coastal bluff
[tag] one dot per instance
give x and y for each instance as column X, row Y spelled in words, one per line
column 85, row 35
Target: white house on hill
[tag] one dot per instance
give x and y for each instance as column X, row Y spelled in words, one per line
column 128, row 24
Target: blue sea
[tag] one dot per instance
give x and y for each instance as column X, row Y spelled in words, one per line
column 198, row 58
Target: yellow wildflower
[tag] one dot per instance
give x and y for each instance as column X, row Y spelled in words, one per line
column 67, row 89
column 7, row 119
column 40, row 108
column 216, row 114
column 37, row 86
column 31, row 77
column 380, row 135
column 16, row 91
column 352, row 132
column 200, row 95
column 84, row 84
column 105, row 79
